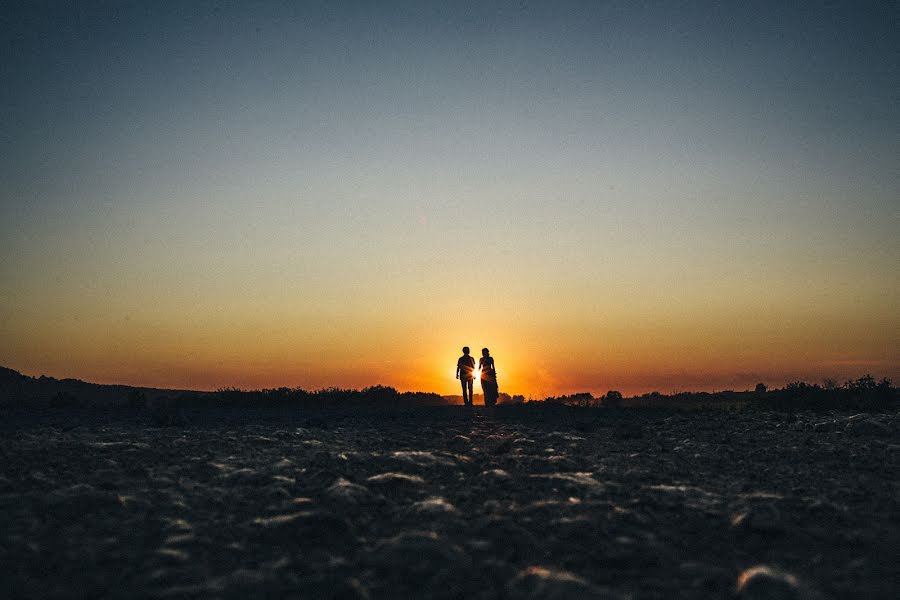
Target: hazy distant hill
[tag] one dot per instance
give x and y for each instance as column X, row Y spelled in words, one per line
column 865, row 393
column 24, row 391
column 16, row 388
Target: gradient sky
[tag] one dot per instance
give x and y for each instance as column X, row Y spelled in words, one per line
column 626, row 195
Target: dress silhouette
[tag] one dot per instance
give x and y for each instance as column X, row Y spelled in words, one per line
column 488, row 378
column 465, row 372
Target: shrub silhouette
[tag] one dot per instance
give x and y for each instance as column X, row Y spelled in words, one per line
column 856, row 394
column 381, row 394
column 863, row 394
column 612, row 399
column 866, row 383
column 507, row 399
column 376, row 396
column 579, row 399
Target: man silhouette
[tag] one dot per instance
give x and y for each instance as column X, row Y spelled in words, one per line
column 465, row 372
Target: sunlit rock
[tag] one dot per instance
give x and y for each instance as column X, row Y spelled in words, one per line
column 496, row 474
column 347, row 491
column 434, row 506
column 393, row 479
column 308, row 528
column 423, row 458
column 763, row 582
column 541, row 583
column 459, row 443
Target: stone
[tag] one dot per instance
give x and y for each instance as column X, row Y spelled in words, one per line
column 502, row 447
column 348, row 492
column 423, row 564
column 434, row 506
column 764, row 518
column 861, row 427
column 763, row 582
column 496, row 475
column 825, row 426
column 542, row 583
column 309, row 529
column 459, row 443
column 396, row 480
column 628, row 431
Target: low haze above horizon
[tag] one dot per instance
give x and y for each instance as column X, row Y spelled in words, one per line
column 608, row 195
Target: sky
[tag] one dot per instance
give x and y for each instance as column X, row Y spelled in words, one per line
column 629, row 195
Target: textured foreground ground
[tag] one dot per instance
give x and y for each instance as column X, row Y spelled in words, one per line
column 518, row 503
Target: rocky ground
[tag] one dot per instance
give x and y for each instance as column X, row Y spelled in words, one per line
column 521, row 502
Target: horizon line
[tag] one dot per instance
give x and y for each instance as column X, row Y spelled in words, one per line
column 527, row 397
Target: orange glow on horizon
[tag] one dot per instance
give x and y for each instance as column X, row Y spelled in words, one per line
column 535, row 370
column 632, row 341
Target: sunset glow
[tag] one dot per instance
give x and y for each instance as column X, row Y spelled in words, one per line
column 608, row 197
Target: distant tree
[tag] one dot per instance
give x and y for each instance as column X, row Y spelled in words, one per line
column 866, row 383
column 382, row 394
column 581, row 399
column 612, row 399
column 760, row 389
column 829, row 384
column 866, row 387
column 578, row 399
column 797, row 388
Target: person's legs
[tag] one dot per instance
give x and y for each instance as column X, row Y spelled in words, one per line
column 467, row 391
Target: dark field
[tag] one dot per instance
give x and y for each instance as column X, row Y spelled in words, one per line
column 521, row 502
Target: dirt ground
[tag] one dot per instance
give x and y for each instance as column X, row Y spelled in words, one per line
column 518, row 502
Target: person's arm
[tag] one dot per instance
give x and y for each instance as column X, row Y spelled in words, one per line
column 457, row 369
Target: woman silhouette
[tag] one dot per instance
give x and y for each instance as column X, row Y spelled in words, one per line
column 488, row 378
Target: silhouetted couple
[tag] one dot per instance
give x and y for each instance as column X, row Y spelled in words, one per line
column 465, row 372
